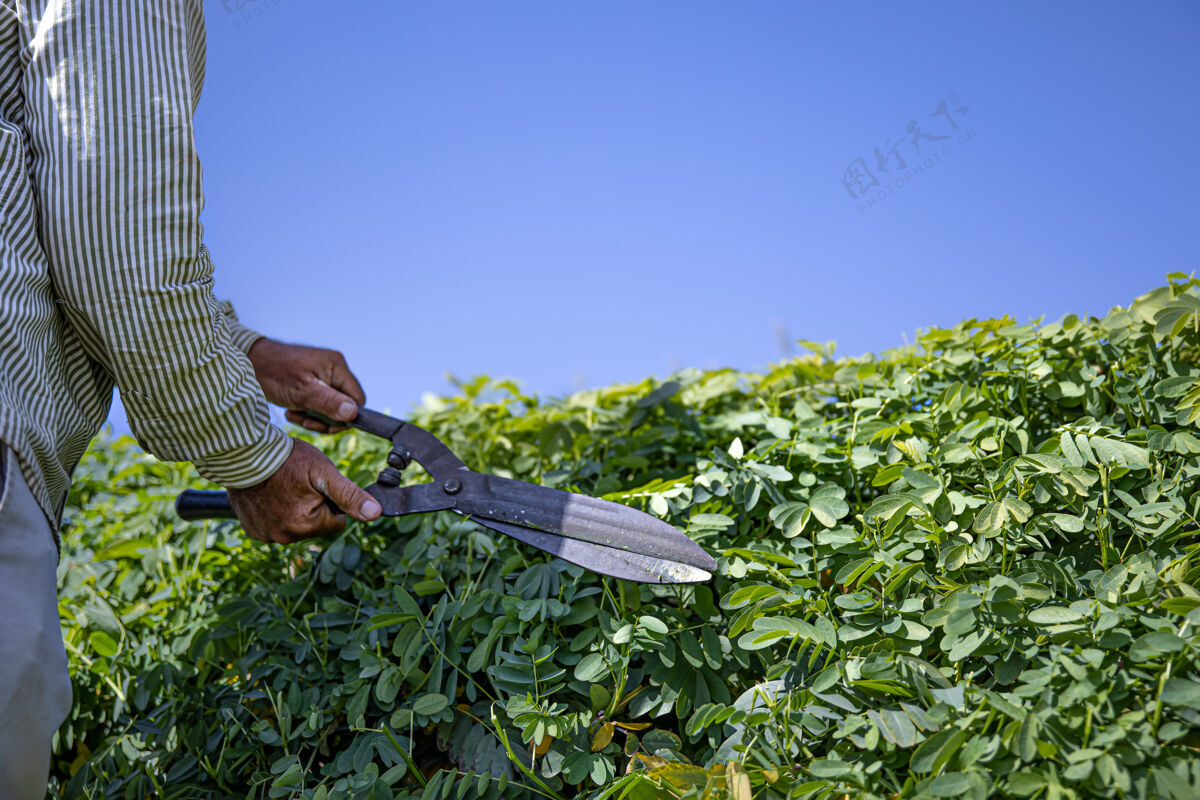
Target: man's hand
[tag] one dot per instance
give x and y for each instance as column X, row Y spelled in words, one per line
column 290, row 505
column 303, row 379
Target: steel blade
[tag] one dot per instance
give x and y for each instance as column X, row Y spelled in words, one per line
column 604, row 560
column 575, row 516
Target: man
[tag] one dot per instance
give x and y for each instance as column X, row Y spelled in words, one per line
column 104, row 279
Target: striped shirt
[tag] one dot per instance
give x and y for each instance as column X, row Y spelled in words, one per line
column 104, row 276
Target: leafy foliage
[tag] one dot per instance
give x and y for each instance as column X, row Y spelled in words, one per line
column 967, row 567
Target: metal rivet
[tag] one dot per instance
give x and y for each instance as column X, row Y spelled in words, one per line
column 452, row 486
column 390, row 477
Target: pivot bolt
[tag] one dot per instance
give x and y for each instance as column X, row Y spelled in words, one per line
column 399, row 458
column 389, row 477
column 452, row 486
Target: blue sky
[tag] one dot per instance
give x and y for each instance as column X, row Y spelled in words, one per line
column 575, row 194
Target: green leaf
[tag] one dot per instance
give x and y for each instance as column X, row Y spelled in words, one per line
column 430, row 704
column 888, row 475
column 919, row 480
column 828, row 506
column 1025, row 742
column 599, row 696
column 952, row 784
column 1180, row 605
column 659, row 395
column 1064, row 522
column 747, row 594
column 884, row 508
column 991, row 519
column 757, row 640
column 966, row 645
column 829, row 768
column 936, row 751
column 1181, row 692
column 791, row 518
column 1181, row 312
column 709, row 522
column 1070, row 451
column 1153, row 645
column 1116, row 452
column 387, row 620
column 103, row 644
column 960, row 621
column 590, row 668
column 895, row 726
column 790, row 626
column 657, row 739
column 1053, row 615
column 1173, row 387
column 1018, row 509
column 388, row 685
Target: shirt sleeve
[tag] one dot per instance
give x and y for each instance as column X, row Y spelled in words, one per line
column 110, row 92
column 243, row 337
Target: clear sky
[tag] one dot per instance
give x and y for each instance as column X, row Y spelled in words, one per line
column 579, row 193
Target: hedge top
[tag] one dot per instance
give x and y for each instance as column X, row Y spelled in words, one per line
column 967, row 567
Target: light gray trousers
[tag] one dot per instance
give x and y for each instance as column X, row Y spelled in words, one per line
column 35, row 689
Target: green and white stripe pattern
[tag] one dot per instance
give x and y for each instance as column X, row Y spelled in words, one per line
column 104, row 277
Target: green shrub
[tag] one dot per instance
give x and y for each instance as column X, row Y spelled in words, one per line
column 964, row 568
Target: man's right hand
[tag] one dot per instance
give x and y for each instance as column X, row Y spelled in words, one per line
column 290, row 505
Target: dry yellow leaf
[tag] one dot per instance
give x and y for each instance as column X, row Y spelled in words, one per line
column 83, row 751
column 602, row 737
column 649, row 762
column 632, row 726
column 682, row 776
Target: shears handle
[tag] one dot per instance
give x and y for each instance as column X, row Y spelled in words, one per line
column 194, row 504
column 408, row 443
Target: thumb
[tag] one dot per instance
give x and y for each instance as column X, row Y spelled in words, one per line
column 324, row 399
column 348, row 496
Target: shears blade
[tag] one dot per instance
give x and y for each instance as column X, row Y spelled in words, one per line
column 604, row 560
column 580, row 518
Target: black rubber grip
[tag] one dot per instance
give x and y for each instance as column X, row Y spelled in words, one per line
column 193, row 504
column 198, row 504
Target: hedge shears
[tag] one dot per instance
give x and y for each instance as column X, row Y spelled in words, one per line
column 598, row 535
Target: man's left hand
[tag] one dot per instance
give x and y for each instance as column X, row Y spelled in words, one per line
column 303, row 379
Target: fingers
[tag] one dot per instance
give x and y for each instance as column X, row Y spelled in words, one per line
column 294, row 503
column 324, row 399
column 304, row 378
column 346, row 494
column 322, row 521
column 340, row 377
column 311, row 517
column 307, row 422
